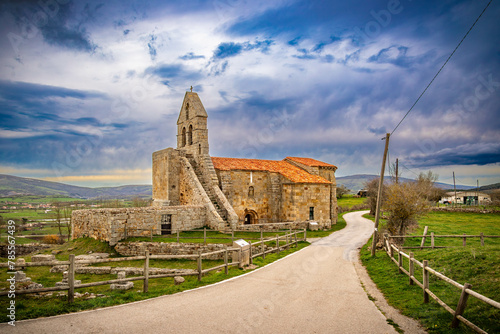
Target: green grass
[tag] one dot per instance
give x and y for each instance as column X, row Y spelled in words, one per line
column 479, row 266
column 320, row 234
column 350, row 201
column 29, row 306
column 39, row 199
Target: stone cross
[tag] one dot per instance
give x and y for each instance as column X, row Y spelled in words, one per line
column 191, row 89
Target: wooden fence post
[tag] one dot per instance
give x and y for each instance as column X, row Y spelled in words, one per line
column 464, row 241
column 286, row 241
column 425, row 275
column 177, row 236
column 432, row 240
column 400, row 261
column 278, row 243
column 412, row 268
column 391, row 251
column 146, row 272
column 225, row 260
column 305, row 234
column 462, row 303
column 71, row 278
column 232, row 236
column 482, row 239
column 423, row 238
column 295, row 235
column 251, row 253
column 262, row 245
column 199, row 266
column 205, row 235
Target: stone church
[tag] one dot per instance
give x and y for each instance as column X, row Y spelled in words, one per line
column 237, row 191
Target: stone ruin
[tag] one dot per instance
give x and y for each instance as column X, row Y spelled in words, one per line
column 122, row 285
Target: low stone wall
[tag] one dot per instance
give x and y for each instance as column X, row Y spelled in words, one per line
column 23, row 249
column 282, row 226
column 112, row 224
column 168, row 248
column 172, row 248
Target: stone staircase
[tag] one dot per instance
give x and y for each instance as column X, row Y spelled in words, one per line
column 208, row 189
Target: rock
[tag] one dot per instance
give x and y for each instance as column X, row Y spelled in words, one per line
column 70, row 249
column 178, row 280
column 122, row 275
column 43, row 258
column 251, row 267
column 101, row 255
column 122, row 286
column 20, row 277
column 59, row 269
column 56, row 251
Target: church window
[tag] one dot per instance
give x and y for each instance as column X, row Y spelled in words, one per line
column 190, row 135
column 251, row 191
column 183, row 139
column 187, row 111
column 311, row 213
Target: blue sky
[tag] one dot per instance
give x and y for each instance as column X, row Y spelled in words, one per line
column 90, row 89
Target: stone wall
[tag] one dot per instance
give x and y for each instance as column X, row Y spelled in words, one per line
column 275, row 226
column 23, row 249
column 173, row 248
column 110, row 224
column 192, row 192
column 298, row 198
column 258, row 201
column 166, row 177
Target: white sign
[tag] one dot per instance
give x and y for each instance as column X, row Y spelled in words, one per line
column 241, row 243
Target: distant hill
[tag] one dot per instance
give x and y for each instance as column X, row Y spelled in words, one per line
column 19, row 186
column 358, row 181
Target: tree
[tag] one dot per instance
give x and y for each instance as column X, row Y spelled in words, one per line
column 372, row 193
column 404, row 204
column 342, row 190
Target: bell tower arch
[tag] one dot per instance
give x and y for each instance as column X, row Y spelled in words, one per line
column 192, row 131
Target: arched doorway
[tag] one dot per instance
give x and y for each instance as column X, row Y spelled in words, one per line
column 250, row 217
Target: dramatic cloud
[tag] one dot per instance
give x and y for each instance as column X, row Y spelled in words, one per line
column 91, row 87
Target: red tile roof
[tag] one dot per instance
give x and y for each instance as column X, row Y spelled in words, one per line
column 311, row 162
column 291, row 172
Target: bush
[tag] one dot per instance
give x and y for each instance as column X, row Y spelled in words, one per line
column 52, row 239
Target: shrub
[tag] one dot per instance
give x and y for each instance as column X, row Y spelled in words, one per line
column 52, row 239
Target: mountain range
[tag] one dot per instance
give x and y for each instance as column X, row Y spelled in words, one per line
column 12, row 186
column 358, row 181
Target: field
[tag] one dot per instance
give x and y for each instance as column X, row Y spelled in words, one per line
column 474, row 264
column 349, row 201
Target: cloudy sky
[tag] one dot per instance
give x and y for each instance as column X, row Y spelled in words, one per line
column 90, row 89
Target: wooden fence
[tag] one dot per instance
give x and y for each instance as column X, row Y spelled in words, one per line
column 433, row 237
column 176, row 234
column 465, row 289
column 289, row 240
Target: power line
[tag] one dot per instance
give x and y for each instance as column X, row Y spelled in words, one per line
column 407, row 168
column 446, row 62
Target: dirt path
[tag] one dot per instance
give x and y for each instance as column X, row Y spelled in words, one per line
column 315, row 290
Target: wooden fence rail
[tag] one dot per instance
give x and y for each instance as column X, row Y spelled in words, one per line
column 465, row 289
column 146, row 277
column 177, row 236
column 433, row 237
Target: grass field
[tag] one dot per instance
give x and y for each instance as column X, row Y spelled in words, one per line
column 30, row 306
column 479, row 266
column 350, row 201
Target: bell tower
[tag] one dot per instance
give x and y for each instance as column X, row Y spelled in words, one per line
column 192, row 131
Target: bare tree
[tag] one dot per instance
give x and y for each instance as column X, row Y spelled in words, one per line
column 342, row 190
column 57, row 211
column 404, row 204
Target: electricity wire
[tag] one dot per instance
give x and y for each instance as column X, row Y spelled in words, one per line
column 446, row 62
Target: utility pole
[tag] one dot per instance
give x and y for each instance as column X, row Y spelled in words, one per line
column 379, row 195
column 397, row 168
column 455, row 187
